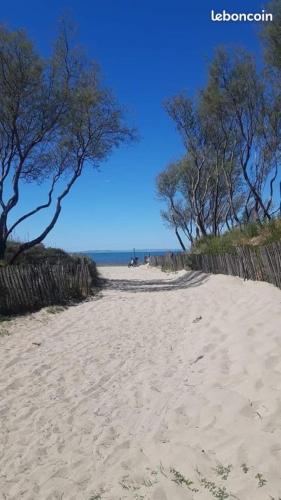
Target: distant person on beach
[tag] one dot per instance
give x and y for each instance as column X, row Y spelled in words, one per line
column 133, row 262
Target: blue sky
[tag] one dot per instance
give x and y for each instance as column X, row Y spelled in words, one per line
column 148, row 50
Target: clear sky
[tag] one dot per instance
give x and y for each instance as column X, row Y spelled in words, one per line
column 148, row 50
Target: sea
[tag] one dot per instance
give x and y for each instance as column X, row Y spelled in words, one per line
column 122, row 257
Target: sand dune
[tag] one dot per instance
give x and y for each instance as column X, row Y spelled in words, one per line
column 166, row 387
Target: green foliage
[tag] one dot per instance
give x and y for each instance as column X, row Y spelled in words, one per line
column 180, row 480
column 4, row 332
column 213, row 489
column 39, row 254
column 167, row 181
column 62, row 118
column 216, row 491
column 232, row 135
column 272, row 35
column 273, row 232
column 251, row 230
column 261, row 480
column 70, row 278
column 223, row 471
column 3, row 319
column 252, row 234
column 55, row 309
column 215, row 244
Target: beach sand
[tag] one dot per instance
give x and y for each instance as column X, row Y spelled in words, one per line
column 161, row 380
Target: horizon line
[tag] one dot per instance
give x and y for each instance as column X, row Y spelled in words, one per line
column 125, row 250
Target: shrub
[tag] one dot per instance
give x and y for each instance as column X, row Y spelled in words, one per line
column 253, row 234
column 38, row 254
column 43, row 277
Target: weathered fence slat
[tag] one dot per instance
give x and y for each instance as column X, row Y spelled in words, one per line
column 254, row 263
column 28, row 288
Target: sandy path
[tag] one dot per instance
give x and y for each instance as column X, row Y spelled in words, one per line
column 163, row 374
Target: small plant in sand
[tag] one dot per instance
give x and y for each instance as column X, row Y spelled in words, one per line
column 245, row 468
column 261, row 480
column 131, row 485
column 95, row 497
column 222, row 471
column 124, row 485
column 55, row 309
column 4, row 318
column 217, row 491
column 180, row 480
column 4, row 332
column 150, row 482
column 127, row 484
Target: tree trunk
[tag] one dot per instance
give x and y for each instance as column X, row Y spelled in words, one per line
column 257, row 196
column 3, row 237
column 180, row 240
column 42, row 236
column 2, row 248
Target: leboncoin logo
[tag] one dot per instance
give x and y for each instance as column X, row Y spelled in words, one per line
column 225, row 16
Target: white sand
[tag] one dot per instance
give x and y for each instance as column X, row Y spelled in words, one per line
column 126, row 388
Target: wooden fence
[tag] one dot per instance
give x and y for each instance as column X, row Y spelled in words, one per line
column 171, row 261
column 254, row 263
column 28, row 288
